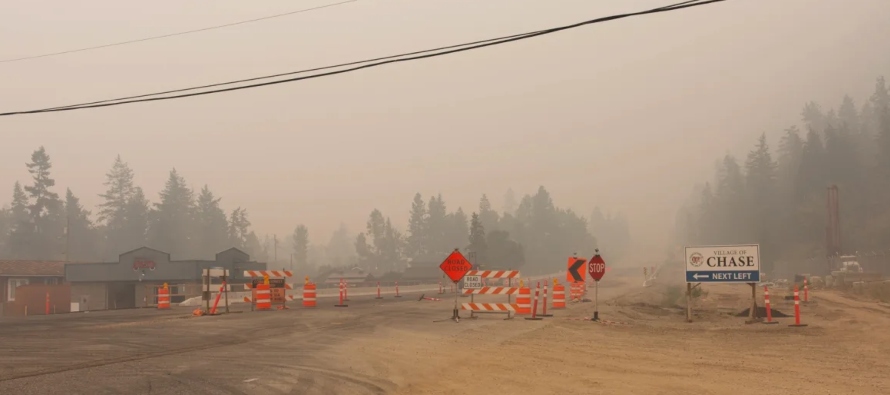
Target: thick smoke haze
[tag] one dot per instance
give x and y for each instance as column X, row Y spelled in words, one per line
column 626, row 115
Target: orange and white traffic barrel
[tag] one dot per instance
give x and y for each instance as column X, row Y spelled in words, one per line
column 524, row 301
column 163, row 298
column 575, row 289
column 309, row 295
column 559, row 296
column 263, row 296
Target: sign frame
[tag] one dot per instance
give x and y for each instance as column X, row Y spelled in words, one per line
column 473, row 282
column 734, row 256
column 455, row 266
column 574, row 267
column 701, row 260
column 593, row 266
column 144, row 263
column 274, row 283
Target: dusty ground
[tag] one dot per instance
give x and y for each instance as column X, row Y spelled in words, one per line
column 402, row 346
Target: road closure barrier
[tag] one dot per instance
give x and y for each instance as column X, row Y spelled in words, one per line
column 797, row 309
column 508, row 308
column 559, row 296
column 163, row 298
column 342, row 295
column 524, row 301
column 277, row 285
column 806, row 291
column 544, row 304
column 766, row 305
column 576, row 292
column 535, row 305
column 263, row 297
column 309, row 295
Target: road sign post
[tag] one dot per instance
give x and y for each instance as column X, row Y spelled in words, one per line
column 723, row 264
column 456, row 267
column 597, row 269
column 576, row 273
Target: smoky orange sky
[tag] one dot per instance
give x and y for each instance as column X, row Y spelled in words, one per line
column 626, row 115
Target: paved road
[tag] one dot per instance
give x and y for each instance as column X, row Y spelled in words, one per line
column 170, row 352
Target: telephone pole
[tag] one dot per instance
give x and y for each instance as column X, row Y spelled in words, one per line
column 68, row 238
column 275, row 248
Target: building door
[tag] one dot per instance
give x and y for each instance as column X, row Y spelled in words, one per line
column 121, row 295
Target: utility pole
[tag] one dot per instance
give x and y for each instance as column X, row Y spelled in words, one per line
column 275, row 248
column 68, row 237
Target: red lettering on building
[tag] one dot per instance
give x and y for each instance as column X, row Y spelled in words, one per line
column 140, row 263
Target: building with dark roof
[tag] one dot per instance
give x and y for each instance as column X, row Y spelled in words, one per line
column 354, row 277
column 17, row 273
column 134, row 279
column 428, row 273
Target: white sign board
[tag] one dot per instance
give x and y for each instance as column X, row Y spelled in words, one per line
column 723, row 264
column 473, row 282
column 217, row 272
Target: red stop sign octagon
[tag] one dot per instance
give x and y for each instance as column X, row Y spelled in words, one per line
column 596, row 267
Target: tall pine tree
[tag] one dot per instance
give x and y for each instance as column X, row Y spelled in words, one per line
column 300, row 245
column 172, row 226
column 417, row 243
column 21, row 234
column 112, row 211
column 212, row 225
column 478, row 245
column 46, row 209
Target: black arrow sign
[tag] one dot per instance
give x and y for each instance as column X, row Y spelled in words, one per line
column 573, row 270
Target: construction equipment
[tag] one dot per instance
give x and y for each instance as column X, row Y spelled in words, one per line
column 845, row 269
column 849, row 271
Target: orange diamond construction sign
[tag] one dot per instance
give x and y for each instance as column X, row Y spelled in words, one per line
column 456, row 266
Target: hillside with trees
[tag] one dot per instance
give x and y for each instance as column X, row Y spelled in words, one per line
column 531, row 233
column 776, row 195
column 39, row 224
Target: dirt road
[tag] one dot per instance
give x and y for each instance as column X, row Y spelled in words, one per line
column 844, row 350
column 395, row 346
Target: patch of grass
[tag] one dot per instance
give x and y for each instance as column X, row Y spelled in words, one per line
column 674, row 293
column 697, row 292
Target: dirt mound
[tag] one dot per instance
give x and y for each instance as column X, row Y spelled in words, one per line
column 658, row 295
column 761, row 312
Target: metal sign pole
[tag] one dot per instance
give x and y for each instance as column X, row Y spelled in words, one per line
column 226, row 290
column 596, row 300
column 456, row 316
column 207, row 289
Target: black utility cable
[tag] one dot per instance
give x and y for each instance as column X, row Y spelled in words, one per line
column 390, row 59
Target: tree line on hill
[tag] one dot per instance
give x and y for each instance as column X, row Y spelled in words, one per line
column 777, row 198
column 39, row 224
column 533, row 233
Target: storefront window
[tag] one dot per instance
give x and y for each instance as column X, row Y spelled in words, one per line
column 13, row 283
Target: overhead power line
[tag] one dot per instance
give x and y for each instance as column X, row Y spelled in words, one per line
column 204, row 29
column 367, row 63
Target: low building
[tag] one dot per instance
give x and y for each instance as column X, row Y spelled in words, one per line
column 423, row 273
column 133, row 280
column 354, row 277
column 20, row 273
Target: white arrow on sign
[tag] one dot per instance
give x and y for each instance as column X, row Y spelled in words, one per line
column 698, row 276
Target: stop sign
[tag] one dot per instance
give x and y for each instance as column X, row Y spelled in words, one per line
column 596, row 267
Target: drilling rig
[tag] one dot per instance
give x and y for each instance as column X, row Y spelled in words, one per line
column 845, row 269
